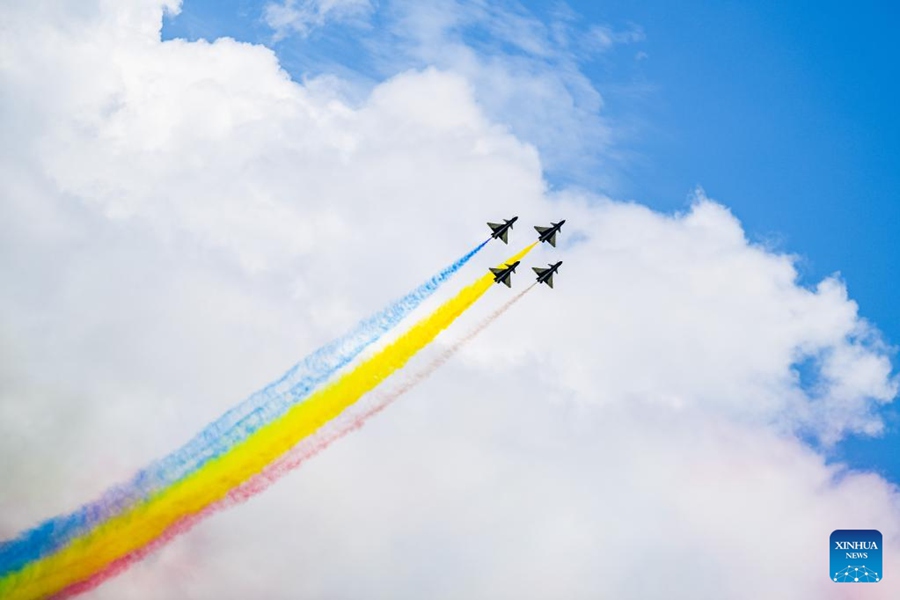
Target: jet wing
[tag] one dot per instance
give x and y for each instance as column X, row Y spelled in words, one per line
column 507, row 281
column 552, row 239
column 496, row 271
column 495, row 227
column 541, row 229
column 540, row 273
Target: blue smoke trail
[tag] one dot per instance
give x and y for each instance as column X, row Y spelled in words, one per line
column 218, row 437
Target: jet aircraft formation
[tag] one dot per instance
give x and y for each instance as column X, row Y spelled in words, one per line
column 545, row 234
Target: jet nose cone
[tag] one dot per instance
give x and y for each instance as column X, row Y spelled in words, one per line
column 563, row 222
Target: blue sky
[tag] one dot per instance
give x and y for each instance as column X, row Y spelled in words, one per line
column 785, row 112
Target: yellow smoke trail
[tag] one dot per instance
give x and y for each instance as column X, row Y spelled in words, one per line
column 338, row 428
column 134, row 529
column 440, row 360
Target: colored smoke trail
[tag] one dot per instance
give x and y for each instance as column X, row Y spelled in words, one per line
column 302, row 452
column 231, row 428
column 340, row 428
column 125, row 533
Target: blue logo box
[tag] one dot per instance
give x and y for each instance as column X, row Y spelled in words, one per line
column 856, row 556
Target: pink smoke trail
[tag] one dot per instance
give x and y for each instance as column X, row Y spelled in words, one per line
column 312, row 446
column 293, row 459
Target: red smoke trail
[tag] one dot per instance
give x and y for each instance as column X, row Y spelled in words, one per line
column 296, row 457
column 304, row 450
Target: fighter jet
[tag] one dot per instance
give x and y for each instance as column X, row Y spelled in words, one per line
column 500, row 231
column 546, row 275
column 548, row 234
column 505, row 275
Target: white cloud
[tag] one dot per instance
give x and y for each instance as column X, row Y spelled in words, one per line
column 302, row 16
column 526, row 72
column 179, row 221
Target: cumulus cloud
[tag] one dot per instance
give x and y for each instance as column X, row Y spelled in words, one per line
column 179, row 221
column 526, row 72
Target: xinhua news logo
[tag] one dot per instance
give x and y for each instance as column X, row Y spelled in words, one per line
column 856, row 556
